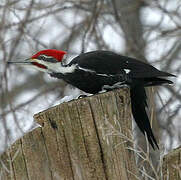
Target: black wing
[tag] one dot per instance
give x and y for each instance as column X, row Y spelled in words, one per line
column 106, row 62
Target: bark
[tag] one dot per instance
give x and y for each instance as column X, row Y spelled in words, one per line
column 172, row 165
column 88, row 138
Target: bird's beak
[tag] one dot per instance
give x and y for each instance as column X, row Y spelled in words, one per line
column 24, row 62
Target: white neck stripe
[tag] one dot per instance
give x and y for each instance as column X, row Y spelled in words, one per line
column 58, row 68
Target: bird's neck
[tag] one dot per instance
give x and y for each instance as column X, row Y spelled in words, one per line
column 61, row 68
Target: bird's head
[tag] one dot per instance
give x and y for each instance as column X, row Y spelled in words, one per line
column 45, row 60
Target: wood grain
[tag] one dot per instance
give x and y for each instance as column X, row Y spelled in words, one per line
column 84, row 139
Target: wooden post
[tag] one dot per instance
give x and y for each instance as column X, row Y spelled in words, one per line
column 84, row 139
column 172, row 165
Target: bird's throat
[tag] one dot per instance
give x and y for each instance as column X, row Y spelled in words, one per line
column 63, row 69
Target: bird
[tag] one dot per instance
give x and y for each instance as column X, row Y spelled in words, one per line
column 97, row 71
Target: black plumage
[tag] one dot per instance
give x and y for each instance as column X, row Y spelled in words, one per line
column 104, row 70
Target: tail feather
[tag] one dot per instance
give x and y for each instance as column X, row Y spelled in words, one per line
column 165, row 74
column 156, row 81
column 138, row 103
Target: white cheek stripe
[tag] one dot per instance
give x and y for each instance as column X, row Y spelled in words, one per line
column 38, row 68
column 56, row 67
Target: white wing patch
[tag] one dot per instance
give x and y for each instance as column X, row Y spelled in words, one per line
column 99, row 74
column 92, row 71
column 127, row 71
column 85, row 69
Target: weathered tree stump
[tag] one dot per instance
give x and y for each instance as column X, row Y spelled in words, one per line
column 84, row 139
column 172, row 165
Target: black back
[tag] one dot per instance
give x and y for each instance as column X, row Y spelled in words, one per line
column 107, row 62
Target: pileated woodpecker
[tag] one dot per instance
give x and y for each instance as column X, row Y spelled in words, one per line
column 95, row 71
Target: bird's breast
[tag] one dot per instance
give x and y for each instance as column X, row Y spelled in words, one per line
column 92, row 82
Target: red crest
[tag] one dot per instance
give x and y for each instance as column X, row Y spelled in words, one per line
column 57, row 54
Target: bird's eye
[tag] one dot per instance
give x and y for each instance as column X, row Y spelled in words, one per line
column 47, row 58
column 41, row 57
